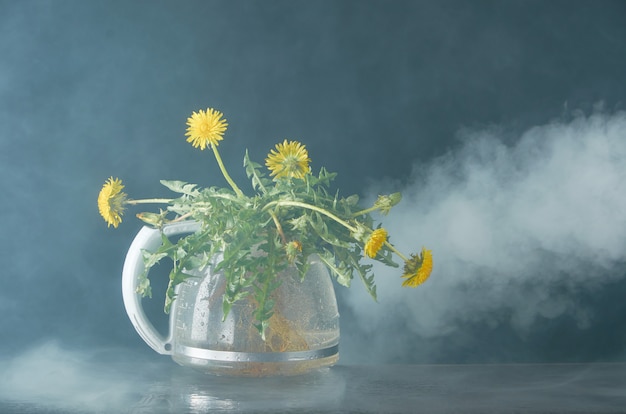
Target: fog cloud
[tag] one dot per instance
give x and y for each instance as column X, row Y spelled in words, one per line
column 50, row 375
column 518, row 225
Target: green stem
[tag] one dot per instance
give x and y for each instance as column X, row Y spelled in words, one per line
column 279, row 228
column 182, row 218
column 313, row 208
column 330, row 215
column 225, row 173
column 393, row 249
column 149, row 201
column 365, row 211
column 269, row 275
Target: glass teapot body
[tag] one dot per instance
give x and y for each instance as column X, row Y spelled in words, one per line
column 303, row 333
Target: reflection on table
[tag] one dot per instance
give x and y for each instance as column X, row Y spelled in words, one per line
column 49, row 379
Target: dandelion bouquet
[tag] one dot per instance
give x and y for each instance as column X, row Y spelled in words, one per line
column 288, row 216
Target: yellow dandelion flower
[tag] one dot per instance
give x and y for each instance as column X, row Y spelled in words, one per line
column 288, row 160
column 418, row 268
column 375, row 242
column 111, row 202
column 205, row 128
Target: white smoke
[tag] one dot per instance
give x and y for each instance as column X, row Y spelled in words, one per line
column 52, row 377
column 49, row 375
column 516, row 229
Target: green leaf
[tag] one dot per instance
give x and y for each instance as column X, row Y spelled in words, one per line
column 181, row 187
column 319, row 225
column 352, row 200
column 150, row 259
column 143, row 287
column 363, row 270
column 326, row 177
column 170, row 295
column 262, row 327
column 386, row 256
column 226, row 306
column 259, row 182
column 343, row 275
column 385, row 202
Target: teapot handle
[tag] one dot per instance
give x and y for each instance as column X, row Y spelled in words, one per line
column 147, row 239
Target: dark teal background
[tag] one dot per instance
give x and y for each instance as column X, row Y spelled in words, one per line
column 92, row 89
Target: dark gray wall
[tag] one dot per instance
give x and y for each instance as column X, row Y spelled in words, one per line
column 500, row 120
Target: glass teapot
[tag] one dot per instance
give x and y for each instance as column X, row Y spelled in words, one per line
column 303, row 333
